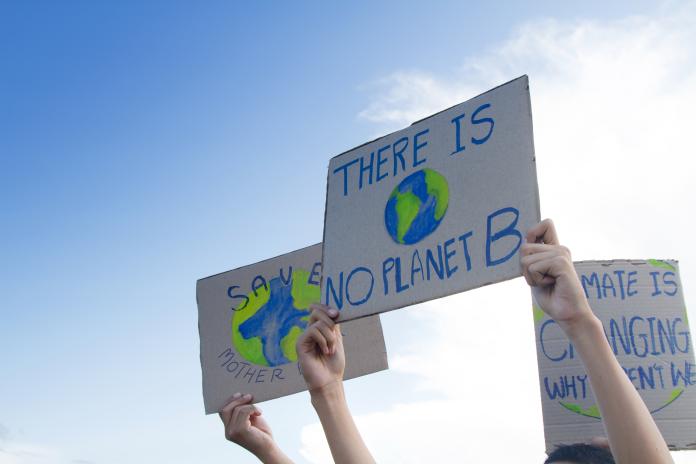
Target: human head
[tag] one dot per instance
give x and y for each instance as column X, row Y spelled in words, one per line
column 580, row 453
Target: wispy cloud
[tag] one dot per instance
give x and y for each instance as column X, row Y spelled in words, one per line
column 613, row 117
column 406, row 96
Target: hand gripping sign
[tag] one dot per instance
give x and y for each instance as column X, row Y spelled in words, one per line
column 641, row 306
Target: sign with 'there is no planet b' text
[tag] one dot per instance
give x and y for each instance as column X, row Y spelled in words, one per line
column 434, row 209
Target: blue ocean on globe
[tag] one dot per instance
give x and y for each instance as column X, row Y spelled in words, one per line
column 416, row 206
column 273, row 322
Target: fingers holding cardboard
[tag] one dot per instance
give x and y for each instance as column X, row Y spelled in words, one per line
column 544, row 232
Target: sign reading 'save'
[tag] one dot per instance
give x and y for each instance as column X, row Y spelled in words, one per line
column 641, row 306
column 250, row 318
column 434, row 209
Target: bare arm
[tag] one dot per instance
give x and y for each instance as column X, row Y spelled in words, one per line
column 320, row 351
column 633, row 435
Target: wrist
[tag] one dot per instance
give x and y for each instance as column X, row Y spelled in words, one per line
column 330, row 394
column 583, row 326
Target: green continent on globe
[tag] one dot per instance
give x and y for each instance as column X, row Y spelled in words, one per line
column 407, row 207
column 251, row 348
column 438, row 188
column 302, row 294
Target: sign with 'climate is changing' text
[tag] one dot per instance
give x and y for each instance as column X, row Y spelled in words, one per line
column 434, row 209
column 641, row 306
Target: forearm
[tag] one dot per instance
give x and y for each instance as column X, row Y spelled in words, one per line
column 632, row 432
column 273, row 455
column 347, row 446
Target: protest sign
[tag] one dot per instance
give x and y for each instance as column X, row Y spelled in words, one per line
column 434, row 209
column 249, row 319
column 641, row 306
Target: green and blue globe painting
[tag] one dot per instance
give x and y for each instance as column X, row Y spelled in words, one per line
column 416, row 206
column 265, row 331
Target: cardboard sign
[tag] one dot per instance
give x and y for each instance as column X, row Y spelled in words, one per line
column 250, row 318
column 641, row 306
column 434, row 209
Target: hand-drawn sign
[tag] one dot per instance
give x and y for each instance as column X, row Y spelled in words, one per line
column 434, row 209
column 641, row 306
column 249, row 320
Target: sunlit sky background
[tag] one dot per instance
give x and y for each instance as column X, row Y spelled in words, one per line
column 144, row 145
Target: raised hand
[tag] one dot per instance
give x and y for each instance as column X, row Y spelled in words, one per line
column 632, row 434
column 322, row 360
column 320, row 349
column 548, row 269
column 245, row 426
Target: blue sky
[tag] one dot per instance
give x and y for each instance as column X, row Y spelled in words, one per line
column 148, row 144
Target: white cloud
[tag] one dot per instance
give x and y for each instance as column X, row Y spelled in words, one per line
column 409, row 96
column 613, row 105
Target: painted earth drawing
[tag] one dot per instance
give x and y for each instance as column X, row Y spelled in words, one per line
column 416, row 206
column 266, row 330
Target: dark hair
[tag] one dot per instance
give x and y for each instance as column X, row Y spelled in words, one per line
column 580, row 453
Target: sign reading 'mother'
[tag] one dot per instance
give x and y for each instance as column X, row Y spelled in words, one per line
column 434, row 209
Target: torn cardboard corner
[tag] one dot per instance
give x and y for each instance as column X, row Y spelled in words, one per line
column 641, row 306
column 249, row 319
column 434, row 209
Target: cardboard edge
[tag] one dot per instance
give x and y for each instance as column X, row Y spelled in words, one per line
column 304, row 390
column 385, row 355
column 206, row 406
column 323, row 235
column 537, row 198
column 260, row 262
column 687, row 447
column 635, row 262
column 523, row 76
column 382, row 348
column 365, row 374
